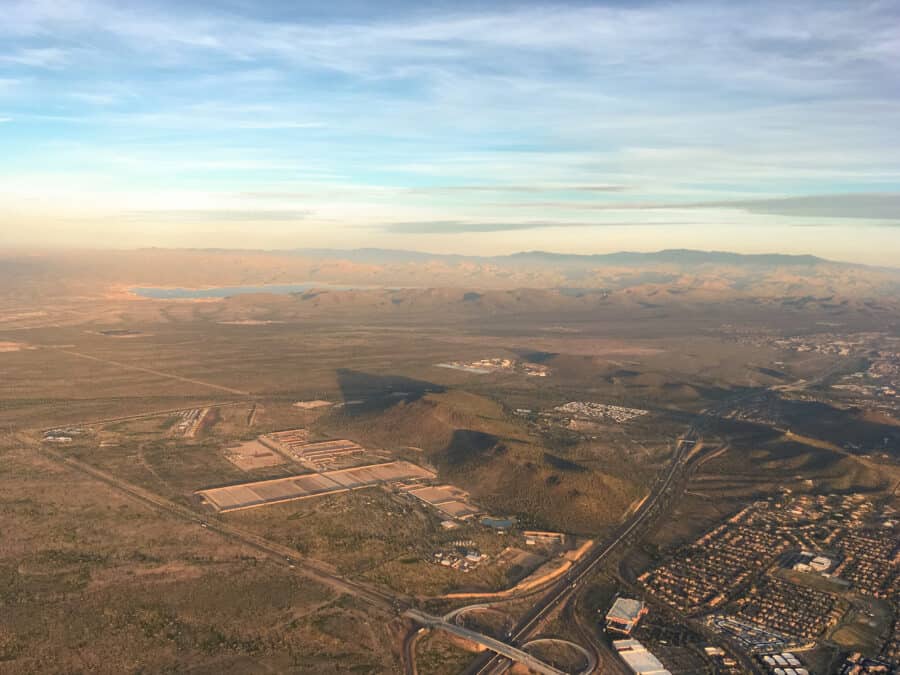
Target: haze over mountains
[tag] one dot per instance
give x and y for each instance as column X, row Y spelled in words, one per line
column 676, row 256
column 673, row 271
column 66, row 287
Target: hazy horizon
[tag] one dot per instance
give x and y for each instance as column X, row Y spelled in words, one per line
column 572, row 127
column 412, row 252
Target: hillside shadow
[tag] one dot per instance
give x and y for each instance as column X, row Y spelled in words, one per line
column 466, row 445
column 533, row 356
column 365, row 393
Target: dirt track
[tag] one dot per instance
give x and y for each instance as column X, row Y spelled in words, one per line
column 280, row 554
column 155, row 372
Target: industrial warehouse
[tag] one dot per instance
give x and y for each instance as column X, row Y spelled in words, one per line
column 638, row 659
column 449, row 501
column 262, row 493
column 318, row 455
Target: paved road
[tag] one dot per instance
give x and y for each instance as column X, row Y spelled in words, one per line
column 590, row 658
column 409, row 651
column 494, row 645
column 606, row 659
column 282, row 555
column 562, row 590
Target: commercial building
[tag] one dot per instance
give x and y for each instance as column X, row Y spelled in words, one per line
column 783, row 664
column 820, row 564
column 450, row 502
column 810, row 562
column 638, row 659
column 624, row 615
column 500, row 524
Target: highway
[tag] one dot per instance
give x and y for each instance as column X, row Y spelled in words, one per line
column 606, row 659
column 494, row 645
column 590, row 658
column 562, row 589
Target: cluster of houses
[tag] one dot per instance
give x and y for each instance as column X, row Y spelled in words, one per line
column 870, row 558
column 840, row 536
column 798, row 611
column 496, row 365
column 704, row 574
column 588, row 410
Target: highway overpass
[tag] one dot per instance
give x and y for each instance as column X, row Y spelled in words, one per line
column 496, row 646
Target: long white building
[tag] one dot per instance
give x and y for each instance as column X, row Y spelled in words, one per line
column 638, row 659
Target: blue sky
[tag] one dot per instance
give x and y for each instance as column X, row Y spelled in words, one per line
column 453, row 126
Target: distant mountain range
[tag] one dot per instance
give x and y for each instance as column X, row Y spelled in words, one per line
column 667, row 256
column 674, row 256
column 669, row 276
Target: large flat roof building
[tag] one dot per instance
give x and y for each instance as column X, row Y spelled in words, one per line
column 624, row 615
column 638, row 659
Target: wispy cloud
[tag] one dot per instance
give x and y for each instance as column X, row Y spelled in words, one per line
column 218, row 215
column 879, row 206
column 277, row 124
column 393, row 190
column 462, row 226
column 96, row 98
column 536, row 188
column 44, row 57
column 864, row 206
column 458, row 118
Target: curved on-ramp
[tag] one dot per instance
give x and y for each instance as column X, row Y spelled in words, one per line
column 589, row 658
column 450, row 617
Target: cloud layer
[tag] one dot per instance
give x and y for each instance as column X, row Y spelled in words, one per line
column 386, row 121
